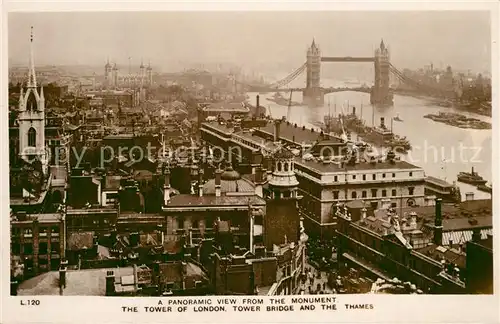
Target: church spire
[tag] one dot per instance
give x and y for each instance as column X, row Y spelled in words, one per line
column 31, row 72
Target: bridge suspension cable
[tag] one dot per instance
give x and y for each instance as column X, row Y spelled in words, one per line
column 403, row 78
column 289, row 78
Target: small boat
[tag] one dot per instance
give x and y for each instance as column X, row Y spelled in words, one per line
column 397, row 118
column 472, row 178
column 485, row 188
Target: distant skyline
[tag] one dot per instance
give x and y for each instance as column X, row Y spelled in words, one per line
column 255, row 40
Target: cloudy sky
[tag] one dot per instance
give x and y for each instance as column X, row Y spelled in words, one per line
column 256, row 39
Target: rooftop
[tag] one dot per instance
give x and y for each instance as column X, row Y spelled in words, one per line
column 89, row 282
column 227, row 107
column 186, row 200
column 438, row 181
column 465, row 209
column 296, row 134
column 457, row 224
column 438, row 253
column 323, row 167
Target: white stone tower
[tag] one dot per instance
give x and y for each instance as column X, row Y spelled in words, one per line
column 32, row 119
column 283, row 183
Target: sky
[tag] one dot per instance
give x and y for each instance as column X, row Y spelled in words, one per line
column 277, row 40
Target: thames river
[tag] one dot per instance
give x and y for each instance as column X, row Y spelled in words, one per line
column 442, row 150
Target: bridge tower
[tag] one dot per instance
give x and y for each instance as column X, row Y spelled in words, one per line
column 381, row 93
column 313, row 94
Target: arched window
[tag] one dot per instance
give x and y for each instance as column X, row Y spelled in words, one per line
column 32, row 137
column 354, row 195
column 286, row 166
column 31, row 102
column 279, row 166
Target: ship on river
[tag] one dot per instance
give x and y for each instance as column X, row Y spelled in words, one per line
column 384, row 137
column 472, row 178
column 280, row 100
column 485, row 188
column 458, row 120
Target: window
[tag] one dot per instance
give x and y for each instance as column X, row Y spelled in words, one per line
column 335, row 178
column 411, row 174
column 43, row 231
column 383, row 175
column 43, row 248
column 32, row 137
column 354, row 195
column 374, row 192
column 16, row 248
column 364, row 176
column 286, row 166
column 279, row 166
column 394, row 192
column 54, row 247
column 27, row 232
column 393, row 175
column 374, row 176
column 28, row 248
column 335, row 195
column 353, row 177
column 363, row 194
column 384, row 192
column 411, row 191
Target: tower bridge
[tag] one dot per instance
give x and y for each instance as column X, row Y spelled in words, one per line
column 313, row 93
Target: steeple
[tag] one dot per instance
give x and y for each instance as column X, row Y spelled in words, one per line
column 313, row 45
column 382, row 45
column 31, row 72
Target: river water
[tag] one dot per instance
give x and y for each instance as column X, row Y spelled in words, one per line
column 442, row 150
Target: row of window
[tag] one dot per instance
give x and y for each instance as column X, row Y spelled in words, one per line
column 285, row 166
column 374, row 193
column 43, row 248
column 374, row 176
column 29, row 231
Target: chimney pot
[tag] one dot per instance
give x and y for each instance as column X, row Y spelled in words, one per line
column 438, row 224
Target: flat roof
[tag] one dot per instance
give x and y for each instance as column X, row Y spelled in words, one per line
column 438, row 181
column 226, row 107
column 186, row 200
column 322, row 167
column 297, row 134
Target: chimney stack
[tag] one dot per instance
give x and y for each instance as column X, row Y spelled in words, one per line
column 277, row 126
column 200, row 182
column 259, row 180
column 363, row 213
column 438, row 224
column 166, row 187
column 218, row 174
column 257, row 104
column 62, row 274
column 354, row 111
column 110, row 283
